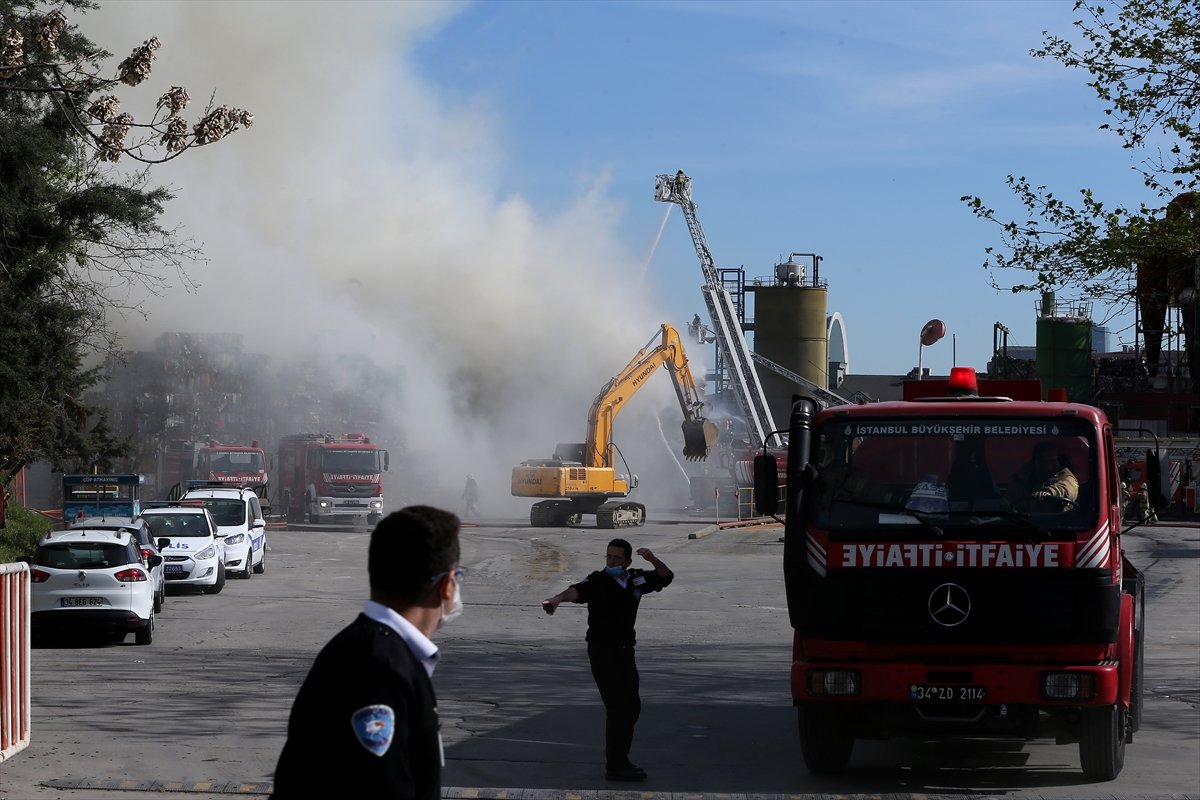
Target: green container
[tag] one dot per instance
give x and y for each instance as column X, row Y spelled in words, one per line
column 1064, row 356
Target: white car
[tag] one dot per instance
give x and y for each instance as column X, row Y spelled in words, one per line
column 144, row 540
column 193, row 554
column 240, row 524
column 83, row 579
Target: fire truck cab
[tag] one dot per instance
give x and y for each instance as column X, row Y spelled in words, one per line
column 953, row 566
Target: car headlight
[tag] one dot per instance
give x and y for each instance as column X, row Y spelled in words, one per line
column 236, row 538
column 206, row 553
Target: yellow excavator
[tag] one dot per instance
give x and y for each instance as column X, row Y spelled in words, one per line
column 581, row 478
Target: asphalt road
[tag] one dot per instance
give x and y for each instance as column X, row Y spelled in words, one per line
column 202, row 711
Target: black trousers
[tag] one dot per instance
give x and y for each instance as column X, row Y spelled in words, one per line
column 616, row 676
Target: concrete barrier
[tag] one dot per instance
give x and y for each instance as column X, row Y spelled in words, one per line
column 14, row 659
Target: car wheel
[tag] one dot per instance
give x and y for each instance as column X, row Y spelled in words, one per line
column 249, row 562
column 261, row 566
column 145, row 634
column 220, row 584
column 158, row 600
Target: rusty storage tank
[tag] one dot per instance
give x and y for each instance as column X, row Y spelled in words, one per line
column 790, row 329
column 1064, row 347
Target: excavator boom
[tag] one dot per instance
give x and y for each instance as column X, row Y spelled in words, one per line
column 699, row 434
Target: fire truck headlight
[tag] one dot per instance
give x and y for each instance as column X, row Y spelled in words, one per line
column 1068, row 686
column 377, row 504
column 324, row 504
column 833, row 682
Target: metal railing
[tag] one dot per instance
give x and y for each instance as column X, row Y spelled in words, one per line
column 14, row 659
column 745, row 503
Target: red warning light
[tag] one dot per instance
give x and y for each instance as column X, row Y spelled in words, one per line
column 963, row 382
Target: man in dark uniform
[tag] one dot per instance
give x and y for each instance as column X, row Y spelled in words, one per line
column 612, row 596
column 365, row 723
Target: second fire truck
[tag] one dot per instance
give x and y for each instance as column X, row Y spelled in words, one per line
column 322, row 478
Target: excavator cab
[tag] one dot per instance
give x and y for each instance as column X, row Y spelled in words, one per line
column 699, row 437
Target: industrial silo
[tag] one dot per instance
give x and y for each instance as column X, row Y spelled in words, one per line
column 790, row 329
column 1064, row 347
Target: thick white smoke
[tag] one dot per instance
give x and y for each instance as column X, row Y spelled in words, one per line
column 362, row 214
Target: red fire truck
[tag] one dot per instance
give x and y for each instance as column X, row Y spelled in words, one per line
column 182, row 462
column 236, row 464
column 940, row 581
column 1133, row 472
column 322, row 478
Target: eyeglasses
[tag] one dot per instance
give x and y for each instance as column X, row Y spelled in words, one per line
column 458, row 573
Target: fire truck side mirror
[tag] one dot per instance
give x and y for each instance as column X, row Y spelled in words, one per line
column 386, row 460
column 766, row 485
column 1158, row 477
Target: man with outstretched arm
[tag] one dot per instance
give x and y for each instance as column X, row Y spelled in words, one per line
column 612, row 596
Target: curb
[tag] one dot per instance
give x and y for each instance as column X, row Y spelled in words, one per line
column 756, row 522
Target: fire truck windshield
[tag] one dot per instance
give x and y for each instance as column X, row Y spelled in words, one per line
column 237, row 461
column 350, row 461
column 911, row 475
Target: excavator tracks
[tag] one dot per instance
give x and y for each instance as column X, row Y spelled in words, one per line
column 620, row 515
column 553, row 514
column 564, row 513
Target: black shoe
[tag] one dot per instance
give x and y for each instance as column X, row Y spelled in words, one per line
column 626, row 773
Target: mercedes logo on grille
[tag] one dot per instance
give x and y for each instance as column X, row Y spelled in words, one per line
column 351, row 488
column 949, row 605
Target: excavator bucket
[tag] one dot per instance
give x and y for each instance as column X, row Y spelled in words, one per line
column 699, row 436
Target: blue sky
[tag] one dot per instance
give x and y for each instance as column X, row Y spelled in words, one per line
column 848, row 129
column 464, row 191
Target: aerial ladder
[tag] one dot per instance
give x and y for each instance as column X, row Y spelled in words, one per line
column 734, row 351
column 825, row 396
column 677, row 189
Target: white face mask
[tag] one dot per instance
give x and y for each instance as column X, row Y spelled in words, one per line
column 454, row 611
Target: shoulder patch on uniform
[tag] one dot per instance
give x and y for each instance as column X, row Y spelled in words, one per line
column 374, row 727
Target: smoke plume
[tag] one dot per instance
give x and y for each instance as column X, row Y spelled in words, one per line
column 364, row 215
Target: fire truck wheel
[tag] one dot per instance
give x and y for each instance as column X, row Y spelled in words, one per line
column 1102, row 742
column 825, row 740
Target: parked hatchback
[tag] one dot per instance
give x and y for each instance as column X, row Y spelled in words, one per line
column 145, row 542
column 92, row 580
